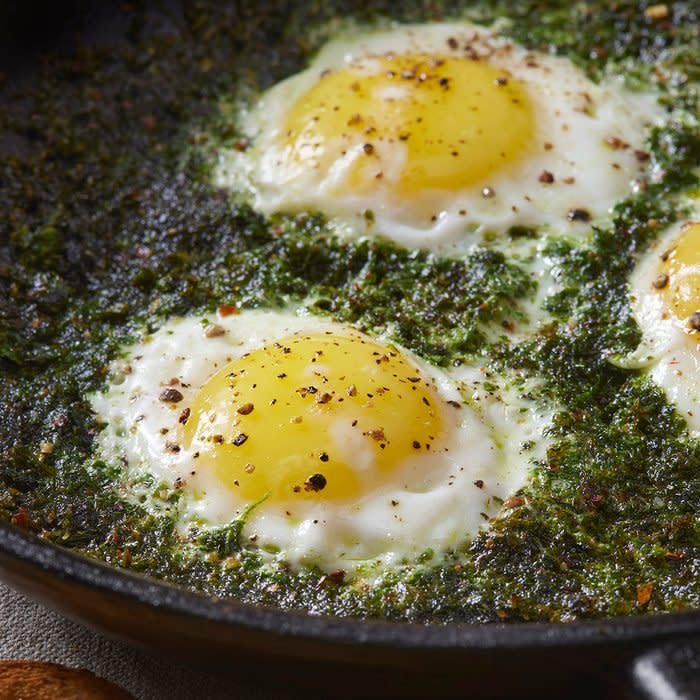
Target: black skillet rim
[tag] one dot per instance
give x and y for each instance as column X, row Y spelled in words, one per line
column 51, row 559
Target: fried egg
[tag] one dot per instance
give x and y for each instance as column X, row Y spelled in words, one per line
column 665, row 296
column 433, row 135
column 335, row 448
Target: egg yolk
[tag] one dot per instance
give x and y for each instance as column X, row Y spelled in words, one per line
column 325, row 415
column 414, row 121
column 679, row 278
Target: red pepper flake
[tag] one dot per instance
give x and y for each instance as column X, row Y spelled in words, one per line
column 240, row 439
column 172, row 447
column 227, row 310
column 21, row 518
column 246, row 409
column 368, row 148
column 513, row 502
column 315, row 483
column 452, row 43
column 416, row 445
column 546, row 177
column 184, row 416
column 694, row 321
column 170, row 395
column 124, row 558
column 377, row 434
column 214, row 330
column 479, row 483
column 641, row 156
column 616, row 143
column 661, row 281
column 644, row 592
column 336, row 576
column 218, row 439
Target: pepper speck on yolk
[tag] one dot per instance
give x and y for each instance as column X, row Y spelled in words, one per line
column 680, row 277
column 323, row 415
column 417, row 122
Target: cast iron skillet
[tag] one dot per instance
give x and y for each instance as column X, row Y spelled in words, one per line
column 654, row 656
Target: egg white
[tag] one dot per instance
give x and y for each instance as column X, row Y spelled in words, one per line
column 576, row 121
column 441, row 502
column 669, row 354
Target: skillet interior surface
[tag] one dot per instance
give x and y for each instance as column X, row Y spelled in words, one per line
column 311, row 651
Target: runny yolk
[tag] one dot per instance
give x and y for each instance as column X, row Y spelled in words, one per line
column 679, row 278
column 324, row 415
column 416, row 122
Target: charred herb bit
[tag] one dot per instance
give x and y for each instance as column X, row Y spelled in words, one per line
column 240, row 439
column 579, row 215
column 316, row 482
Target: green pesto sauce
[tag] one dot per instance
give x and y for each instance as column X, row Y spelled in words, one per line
column 110, row 224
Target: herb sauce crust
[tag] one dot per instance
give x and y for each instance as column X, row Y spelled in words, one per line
column 111, row 225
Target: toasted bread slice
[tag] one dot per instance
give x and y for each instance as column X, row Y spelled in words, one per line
column 35, row 680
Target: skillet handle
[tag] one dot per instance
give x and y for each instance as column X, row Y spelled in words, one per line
column 669, row 672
